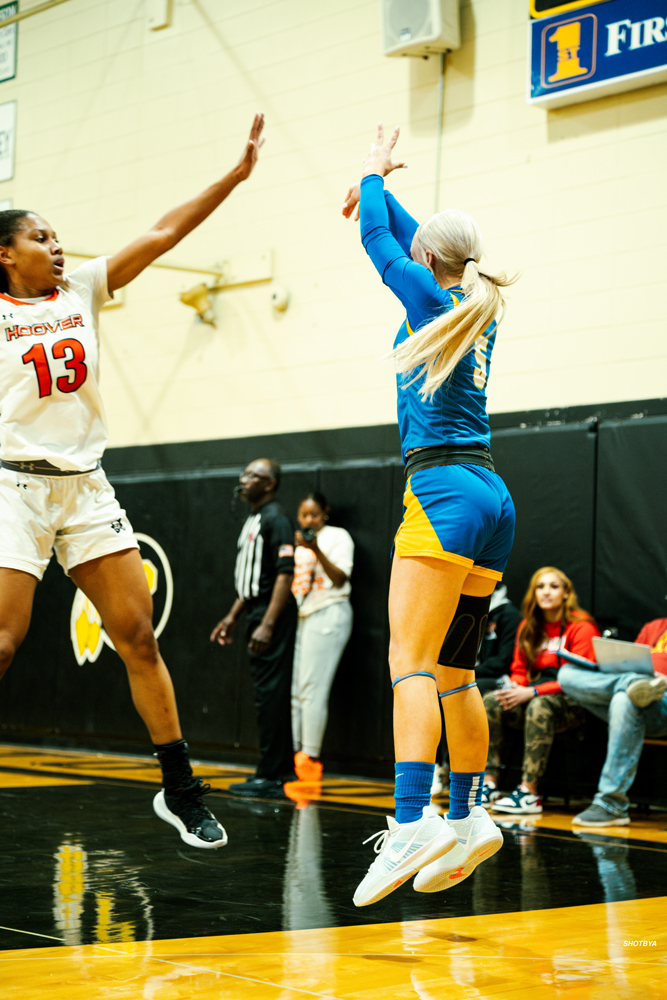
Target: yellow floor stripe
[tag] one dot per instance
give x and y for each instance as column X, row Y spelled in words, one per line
column 9, row 780
column 611, row 951
column 357, row 792
column 75, row 767
column 653, row 827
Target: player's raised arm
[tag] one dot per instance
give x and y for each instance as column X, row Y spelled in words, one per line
column 125, row 265
column 378, row 161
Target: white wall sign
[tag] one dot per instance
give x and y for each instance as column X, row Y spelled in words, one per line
column 7, row 137
column 8, row 42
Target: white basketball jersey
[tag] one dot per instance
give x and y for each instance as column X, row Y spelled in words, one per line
column 50, row 403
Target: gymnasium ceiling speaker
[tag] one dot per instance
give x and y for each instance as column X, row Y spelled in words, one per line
column 419, row 27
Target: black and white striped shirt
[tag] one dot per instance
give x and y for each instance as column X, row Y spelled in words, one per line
column 265, row 549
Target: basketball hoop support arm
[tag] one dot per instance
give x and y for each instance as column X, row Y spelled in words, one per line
column 28, row 13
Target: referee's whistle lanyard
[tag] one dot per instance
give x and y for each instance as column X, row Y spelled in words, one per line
column 236, row 493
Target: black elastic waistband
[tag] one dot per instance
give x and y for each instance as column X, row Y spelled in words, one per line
column 429, row 458
column 44, row 468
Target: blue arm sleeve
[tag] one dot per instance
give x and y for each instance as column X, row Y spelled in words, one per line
column 401, row 223
column 412, row 283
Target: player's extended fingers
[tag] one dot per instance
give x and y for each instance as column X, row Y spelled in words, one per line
column 393, row 139
column 396, row 166
column 257, row 126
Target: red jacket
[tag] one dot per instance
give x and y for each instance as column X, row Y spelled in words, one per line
column 577, row 638
column 654, row 634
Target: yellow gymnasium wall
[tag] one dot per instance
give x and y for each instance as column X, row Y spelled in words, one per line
column 117, row 123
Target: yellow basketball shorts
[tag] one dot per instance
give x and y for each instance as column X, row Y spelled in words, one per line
column 459, row 513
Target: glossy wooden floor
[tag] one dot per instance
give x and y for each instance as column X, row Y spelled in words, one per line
column 98, row 899
column 610, row 951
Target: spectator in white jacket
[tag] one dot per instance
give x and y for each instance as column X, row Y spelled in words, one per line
column 323, row 564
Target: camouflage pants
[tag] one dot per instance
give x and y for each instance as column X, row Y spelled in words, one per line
column 540, row 718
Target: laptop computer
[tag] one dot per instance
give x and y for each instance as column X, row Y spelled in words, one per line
column 615, row 656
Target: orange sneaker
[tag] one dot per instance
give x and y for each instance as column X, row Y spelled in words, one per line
column 306, row 768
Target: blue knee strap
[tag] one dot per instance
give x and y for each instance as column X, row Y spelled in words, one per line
column 464, row 687
column 417, row 673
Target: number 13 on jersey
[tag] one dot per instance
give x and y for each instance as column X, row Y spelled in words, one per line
column 75, row 356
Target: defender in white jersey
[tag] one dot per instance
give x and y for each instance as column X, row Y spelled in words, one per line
column 54, row 495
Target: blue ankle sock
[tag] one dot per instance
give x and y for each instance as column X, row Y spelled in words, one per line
column 465, row 791
column 412, row 789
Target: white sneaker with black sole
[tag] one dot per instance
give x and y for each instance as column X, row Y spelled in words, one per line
column 519, row 803
column 477, row 838
column 646, row 690
column 185, row 810
column 402, row 850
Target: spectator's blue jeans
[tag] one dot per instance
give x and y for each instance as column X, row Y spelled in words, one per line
column 604, row 695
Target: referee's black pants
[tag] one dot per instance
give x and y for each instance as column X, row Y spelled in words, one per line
column 272, row 677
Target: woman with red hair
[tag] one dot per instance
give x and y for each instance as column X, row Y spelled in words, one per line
column 534, row 701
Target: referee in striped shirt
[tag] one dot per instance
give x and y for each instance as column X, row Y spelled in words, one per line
column 263, row 580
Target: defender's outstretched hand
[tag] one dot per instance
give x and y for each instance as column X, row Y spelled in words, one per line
column 125, row 265
column 378, row 161
column 250, row 153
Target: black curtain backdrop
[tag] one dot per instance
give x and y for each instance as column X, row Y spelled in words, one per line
column 631, row 537
column 550, row 472
column 588, row 487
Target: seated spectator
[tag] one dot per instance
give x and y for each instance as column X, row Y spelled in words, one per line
column 534, row 701
column 323, row 564
column 496, row 652
column 635, row 706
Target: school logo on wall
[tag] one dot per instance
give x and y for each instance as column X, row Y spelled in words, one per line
column 86, row 628
column 596, row 50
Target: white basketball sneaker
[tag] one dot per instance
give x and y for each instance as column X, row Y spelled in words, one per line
column 402, row 850
column 477, row 838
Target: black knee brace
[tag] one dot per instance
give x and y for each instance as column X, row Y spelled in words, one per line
column 466, row 632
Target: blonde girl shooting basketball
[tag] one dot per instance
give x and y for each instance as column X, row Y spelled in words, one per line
column 456, row 534
column 53, row 492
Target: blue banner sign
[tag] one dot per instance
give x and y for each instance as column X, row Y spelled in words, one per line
column 593, row 51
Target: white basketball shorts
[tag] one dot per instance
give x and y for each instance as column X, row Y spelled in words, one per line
column 77, row 516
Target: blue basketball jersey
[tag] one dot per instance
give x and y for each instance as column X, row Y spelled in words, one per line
column 456, row 414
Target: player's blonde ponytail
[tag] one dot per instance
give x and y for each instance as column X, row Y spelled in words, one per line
column 436, row 349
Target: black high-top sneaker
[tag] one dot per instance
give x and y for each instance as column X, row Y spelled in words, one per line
column 184, row 809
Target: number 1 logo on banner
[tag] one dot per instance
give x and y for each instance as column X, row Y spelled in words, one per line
column 568, row 50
